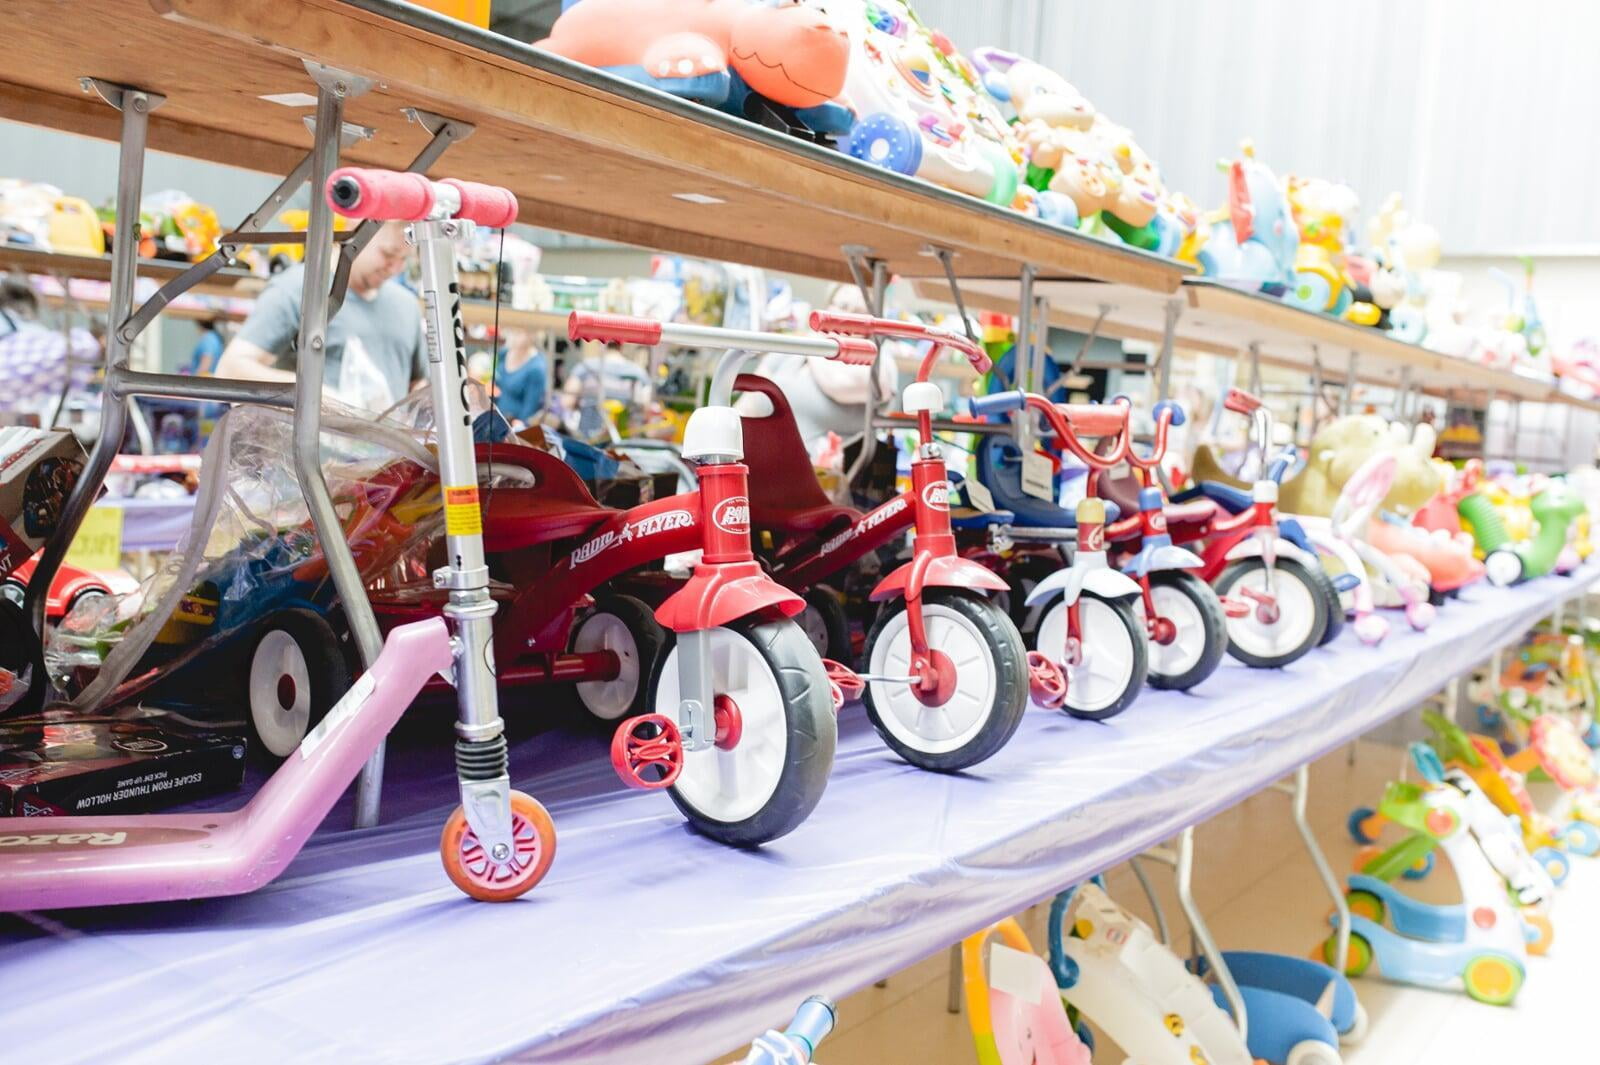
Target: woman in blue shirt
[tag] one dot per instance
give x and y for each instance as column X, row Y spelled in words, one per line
column 522, row 379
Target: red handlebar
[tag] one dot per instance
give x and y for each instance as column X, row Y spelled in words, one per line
column 1158, row 450
column 390, row 195
column 623, row 328
column 1068, row 419
column 861, row 325
column 1094, row 419
column 1241, row 402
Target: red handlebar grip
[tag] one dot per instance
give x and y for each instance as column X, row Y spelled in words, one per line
column 856, row 325
column 1095, row 419
column 623, row 328
column 487, row 205
column 856, row 351
column 381, row 195
column 1240, row 401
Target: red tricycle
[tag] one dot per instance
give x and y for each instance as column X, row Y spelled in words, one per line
column 735, row 715
column 947, row 675
column 1279, row 601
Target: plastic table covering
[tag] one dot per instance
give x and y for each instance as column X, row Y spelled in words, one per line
column 647, row 943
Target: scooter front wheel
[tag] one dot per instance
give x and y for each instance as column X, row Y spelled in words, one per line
column 1113, row 659
column 1273, row 634
column 776, row 732
column 991, row 691
column 1201, row 630
column 473, row 870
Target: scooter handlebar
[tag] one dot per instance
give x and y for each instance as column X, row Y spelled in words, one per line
column 866, row 326
column 391, row 195
column 628, row 329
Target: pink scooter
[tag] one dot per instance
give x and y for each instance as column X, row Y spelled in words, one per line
column 498, row 843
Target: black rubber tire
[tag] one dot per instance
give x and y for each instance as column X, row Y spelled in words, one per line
column 1295, row 571
column 649, row 639
column 23, row 655
column 1010, row 665
column 829, row 607
column 813, row 734
column 1123, row 609
column 325, row 667
column 1436, row 597
column 1205, row 601
column 1330, row 595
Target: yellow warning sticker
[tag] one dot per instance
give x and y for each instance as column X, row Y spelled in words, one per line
column 461, row 514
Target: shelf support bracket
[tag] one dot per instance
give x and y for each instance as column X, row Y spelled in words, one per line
column 1173, row 312
column 1022, row 358
column 947, row 260
column 1348, row 401
column 871, row 276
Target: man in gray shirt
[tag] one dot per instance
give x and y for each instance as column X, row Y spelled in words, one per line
column 375, row 350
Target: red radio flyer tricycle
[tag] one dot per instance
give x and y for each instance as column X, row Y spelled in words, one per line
column 1090, row 629
column 947, row 673
column 742, row 731
column 1279, row 601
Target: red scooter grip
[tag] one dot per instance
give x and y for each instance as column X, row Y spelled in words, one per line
column 623, row 328
column 856, row 351
column 486, row 205
column 1095, row 419
column 855, row 325
column 381, row 195
column 1241, row 402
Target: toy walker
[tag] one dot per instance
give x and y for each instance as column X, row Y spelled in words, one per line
column 947, row 677
column 1479, row 946
column 1014, row 1010
column 498, row 843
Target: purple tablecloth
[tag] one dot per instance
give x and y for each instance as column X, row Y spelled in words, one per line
column 647, row 943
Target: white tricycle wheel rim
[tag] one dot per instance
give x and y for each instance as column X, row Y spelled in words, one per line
column 1106, row 669
column 732, row 785
column 1188, row 645
column 815, row 628
column 934, row 729
column 609, row 699
column 1297, row 614
column 280, row 693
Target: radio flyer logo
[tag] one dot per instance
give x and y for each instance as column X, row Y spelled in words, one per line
column 868, row 523
column 733, row 516
column 633, row 530
column 937, row 495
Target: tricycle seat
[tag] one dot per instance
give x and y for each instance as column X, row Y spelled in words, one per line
column 554, row 506
column 784, row 492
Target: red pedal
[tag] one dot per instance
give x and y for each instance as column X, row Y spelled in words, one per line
column 846, row 684
column 1046, row 682
column 647, row 752
column 1234, row 608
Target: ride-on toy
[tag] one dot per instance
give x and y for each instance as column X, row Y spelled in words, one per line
column 1013, row 1007
column 1089, row 627
column 1253, row 558
column 796, row 1044
column 1185, row 621
column 1479, row 945
column 936, row 621
column 498, row 843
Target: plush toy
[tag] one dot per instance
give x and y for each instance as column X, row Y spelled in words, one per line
column 1337, row 451
column 1253, row 241
column 729, row 54
column 1322, row 210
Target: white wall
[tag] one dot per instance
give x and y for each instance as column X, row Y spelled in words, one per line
column 1479, row 111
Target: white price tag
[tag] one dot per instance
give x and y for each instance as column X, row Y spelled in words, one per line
column 979, row 496
column 1039, row 476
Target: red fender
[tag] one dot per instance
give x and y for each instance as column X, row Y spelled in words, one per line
column 718, row 594
column 936, row 571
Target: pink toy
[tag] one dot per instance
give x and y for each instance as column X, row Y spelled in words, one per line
column 791, row 53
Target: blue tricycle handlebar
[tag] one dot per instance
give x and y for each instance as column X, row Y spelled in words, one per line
column 998, row 403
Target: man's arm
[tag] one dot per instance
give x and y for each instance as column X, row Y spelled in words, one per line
column 271, row 329
column 244, row 361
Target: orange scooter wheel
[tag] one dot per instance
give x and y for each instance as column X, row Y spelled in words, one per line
column 472, row 869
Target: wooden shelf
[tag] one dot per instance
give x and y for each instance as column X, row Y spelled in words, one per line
column 1225, row 321
column 585, row 152
column 239, row 284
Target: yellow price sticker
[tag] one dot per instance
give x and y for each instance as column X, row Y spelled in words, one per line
column 98, row 545
column 461, row 514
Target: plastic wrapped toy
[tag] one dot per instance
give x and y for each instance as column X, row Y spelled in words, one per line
column 734, row 55
column 920, row 109
column 1254, row 240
